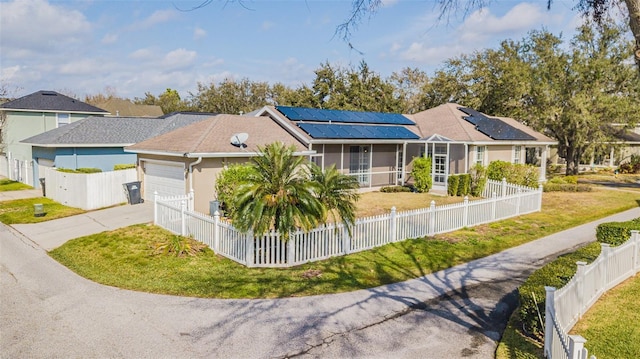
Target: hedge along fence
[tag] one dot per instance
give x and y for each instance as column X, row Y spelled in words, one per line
column 459, row 185
column 559, row 272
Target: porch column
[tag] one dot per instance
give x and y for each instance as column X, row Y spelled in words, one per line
column 371, row 166
column 466, row 158
column 404, row 161
column 613, row 153
column 543, row 164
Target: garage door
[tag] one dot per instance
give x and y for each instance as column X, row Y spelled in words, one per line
column 166, row 179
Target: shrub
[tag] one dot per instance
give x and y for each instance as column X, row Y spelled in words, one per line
column 124, row 166
column 421, row 172
column 452, row 185
column 616, row 233
column 227, row 182
column 80, row 170
column 392, row 189
column 478, row 175
column 179, row 246
column 464, row 185
column 497, row 170
column 525, row 175
column 565, row 187
column 555, row 274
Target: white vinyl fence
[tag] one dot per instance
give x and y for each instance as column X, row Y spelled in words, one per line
column 87, row 190
column 17, row 170
column 565, row 306
column 333, row 239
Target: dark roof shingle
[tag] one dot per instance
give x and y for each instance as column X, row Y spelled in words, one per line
column 51, row 101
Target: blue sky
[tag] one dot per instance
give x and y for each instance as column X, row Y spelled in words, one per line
column 133, row 47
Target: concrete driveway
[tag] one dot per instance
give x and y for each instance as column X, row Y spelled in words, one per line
column 48, row 311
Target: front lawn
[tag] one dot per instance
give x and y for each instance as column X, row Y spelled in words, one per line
column 9, row 185
column 22, row 210
column 124, row 258
column 612, row 325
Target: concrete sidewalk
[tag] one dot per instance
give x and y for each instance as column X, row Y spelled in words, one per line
column 22, row 194
column 52, row 234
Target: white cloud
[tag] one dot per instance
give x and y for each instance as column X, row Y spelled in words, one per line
column 158, row 17
column 30, row 26
column 109, row 38
column 418, row 52
column 482, row 24
column 179, row 58
column 142, row 55
column 199, row 33
column 84, row 67
column 267, row 25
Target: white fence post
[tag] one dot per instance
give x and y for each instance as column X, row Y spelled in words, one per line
column 494, row 201
column 392, row 225
column 216, row 232
column 183, row 218
column 576, row 347
column 155, row 207
column 518, row 201
column 549, row 313
column 503, row 188
column 191, row 196
column 249, row 249
column 290, row 250
column 605, row 249
column 540, row 190
column 465, row 213
column 635, row 238
column 582, row 267
column 346, row 241
column 432, row 219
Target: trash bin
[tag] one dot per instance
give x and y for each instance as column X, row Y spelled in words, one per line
column 214, row 206
column 42, row 184
column 132, row 189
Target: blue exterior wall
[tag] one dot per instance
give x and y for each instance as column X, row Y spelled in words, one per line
column 103, row 158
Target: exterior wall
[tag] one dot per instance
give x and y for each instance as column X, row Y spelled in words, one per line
column 457, row 159
column 500, row 153
column 204, row 179
column 103, row 158
column 384, row 165
column 332, row 155
column 22, row 125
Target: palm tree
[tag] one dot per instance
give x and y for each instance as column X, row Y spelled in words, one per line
column 337, row 192
column 278, row 195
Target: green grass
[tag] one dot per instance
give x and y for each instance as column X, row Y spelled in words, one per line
column 9, row 185
column 123, row 258
column 612, row 325
column 22, row 210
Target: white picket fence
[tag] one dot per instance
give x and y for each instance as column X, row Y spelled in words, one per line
column 333, row 239
column 565, row 306
column 87, row 190
column 17, row 170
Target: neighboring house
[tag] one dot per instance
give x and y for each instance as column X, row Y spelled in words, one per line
column 458, row 137
column 124, row 108
column 626, row 142
column 376, row 148
column 98, row 142
column 31, row 115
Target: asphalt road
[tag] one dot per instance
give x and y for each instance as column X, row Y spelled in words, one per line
column 48, row 311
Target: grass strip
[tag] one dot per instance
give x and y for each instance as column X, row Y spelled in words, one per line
column 22, row 210
column 9, row 185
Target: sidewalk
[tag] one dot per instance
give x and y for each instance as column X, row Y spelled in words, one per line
column 22, row 194
column 52, row 234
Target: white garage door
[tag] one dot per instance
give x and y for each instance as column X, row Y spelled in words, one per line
column 167, row 180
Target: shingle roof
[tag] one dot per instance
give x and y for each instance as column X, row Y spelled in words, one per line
column 448, row 120
column 111, row 130
column 51, row 101
column 213, row 136
column 125, row 108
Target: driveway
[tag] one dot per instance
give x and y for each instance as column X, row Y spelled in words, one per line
column 48, row 311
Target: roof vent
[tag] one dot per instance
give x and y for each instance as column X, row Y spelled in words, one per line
column 49, row 93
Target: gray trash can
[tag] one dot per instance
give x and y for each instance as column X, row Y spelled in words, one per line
column 133, row 192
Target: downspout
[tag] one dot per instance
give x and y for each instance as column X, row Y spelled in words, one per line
column 191, row 172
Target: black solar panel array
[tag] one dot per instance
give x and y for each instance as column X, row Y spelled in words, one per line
column 341, row 116
column 334, row 131
column 494, row 127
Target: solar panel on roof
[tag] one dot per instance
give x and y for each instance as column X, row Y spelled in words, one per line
column 362, row 132
column 494, row 127
column 342, row 116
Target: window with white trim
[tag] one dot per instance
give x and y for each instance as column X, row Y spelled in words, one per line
column 517, row 154
column 480, row 150
column 63, row 119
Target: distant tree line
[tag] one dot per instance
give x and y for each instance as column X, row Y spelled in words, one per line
column 579, row 93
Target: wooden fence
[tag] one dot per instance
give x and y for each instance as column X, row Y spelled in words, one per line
column 333, row 239
column 87, row 190
column 565, row 306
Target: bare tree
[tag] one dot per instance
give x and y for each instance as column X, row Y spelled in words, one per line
column 596, row 9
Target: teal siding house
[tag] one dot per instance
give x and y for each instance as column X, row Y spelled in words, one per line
column 29, row 116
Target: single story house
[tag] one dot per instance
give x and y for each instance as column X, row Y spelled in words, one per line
column 30, row 115
column 191, row 157
column 377, row 148
column 98, row 142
